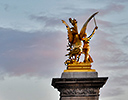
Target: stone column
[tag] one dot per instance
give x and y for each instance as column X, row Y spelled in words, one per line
column 79, row 85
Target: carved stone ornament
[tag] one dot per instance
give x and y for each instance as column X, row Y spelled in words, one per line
column 79, row 92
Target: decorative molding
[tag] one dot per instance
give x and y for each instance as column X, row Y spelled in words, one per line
column 79, row 92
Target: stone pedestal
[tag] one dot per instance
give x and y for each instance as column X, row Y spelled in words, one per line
column 79, row 85
column 79, row 75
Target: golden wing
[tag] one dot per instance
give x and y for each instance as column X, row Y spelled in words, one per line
column 70, row 36
column 82, row 32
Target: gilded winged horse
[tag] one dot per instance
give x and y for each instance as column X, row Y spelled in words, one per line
column 75, row 41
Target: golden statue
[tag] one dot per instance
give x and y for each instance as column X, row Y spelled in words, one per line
column 75, row 47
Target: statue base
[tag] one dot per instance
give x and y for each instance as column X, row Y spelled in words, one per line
column 79, row 75
column 79, row 67
column 79, row 88
column 79, row 82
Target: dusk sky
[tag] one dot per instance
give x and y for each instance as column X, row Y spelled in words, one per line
column 33, row 45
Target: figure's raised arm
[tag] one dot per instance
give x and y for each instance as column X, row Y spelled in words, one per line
column 93, row 32
column 68, row 28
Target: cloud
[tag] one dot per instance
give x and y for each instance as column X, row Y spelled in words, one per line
column 113, row 7
column 48, row 21
column 105, row 24
column 24, row 53
column 120, row 80
column 108, row 8
column 6, row 7
column 120, row 1
column 115, row 85
column 111, row 92
column 125, row 39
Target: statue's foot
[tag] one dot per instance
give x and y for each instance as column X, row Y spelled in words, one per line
column 86, row 61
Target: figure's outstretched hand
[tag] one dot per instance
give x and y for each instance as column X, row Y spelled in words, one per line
column 62, row 21
column 96, row 27
column 65, row 24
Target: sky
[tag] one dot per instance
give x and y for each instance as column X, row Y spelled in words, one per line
column 33, row 46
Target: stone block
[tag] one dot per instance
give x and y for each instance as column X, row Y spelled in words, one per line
column 79, row 75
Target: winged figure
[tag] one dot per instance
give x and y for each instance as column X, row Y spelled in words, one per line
column 75, row 40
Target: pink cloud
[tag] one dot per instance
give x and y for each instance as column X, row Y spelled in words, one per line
column 48, row 21
column 111, row 8
column 30, row 53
